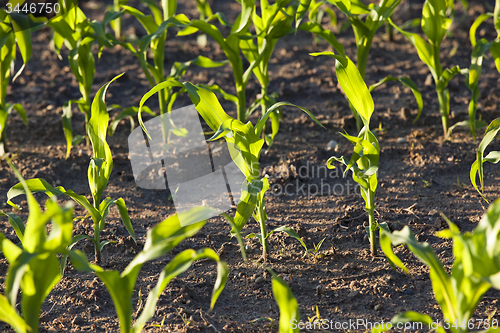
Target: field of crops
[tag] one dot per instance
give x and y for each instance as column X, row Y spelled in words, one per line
column 355, row 145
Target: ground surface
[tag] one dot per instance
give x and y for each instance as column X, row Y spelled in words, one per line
column 419, row 175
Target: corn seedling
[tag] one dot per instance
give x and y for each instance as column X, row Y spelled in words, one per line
column 245, row 147
column 34, row 266
column 184, row 318
column 275, row 21
column 480, row 48
column 99, row 172
column 14, row 30
column 435, row 24
column 317, row 10
column 364, row 161
column 317, row 320
column 78, row 34
column 476, row 169
column 231, row 46
column 364, row 32
column 314, row 252
column 476, row 268
column 159, row 241
column 426, row 184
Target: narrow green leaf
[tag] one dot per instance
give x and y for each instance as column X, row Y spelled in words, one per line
column 477, row 22
column 301, row 11
column 9, row 315
column 353, row 85
column 386, row 246
column 16, row 223
column 289, row 308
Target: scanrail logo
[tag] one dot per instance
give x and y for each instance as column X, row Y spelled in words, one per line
column 177, row 157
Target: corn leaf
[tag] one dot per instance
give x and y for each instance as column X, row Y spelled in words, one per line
column 495, row 52
column 289, row 308
column 181, row 263
column 385, row 244
column 435, row 23
column 301, row 11
column 9, row 315
column 477, row 167
column 353, row 85
column 41, row 185
column 16, row 223
column 477, row 22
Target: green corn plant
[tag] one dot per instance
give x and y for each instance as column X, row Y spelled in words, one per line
column 364, row 161
column 156, row 26
column 74, row 30
column 99, row 173
column 316, row 10
column 14, row 30
column 275, row 21
column 476, row 169
column 364, row 31
column 34, row 267
column 160, row 240
column 435, row 24
column 480, row 48
column 476, row 268
column 245, row 147
column 232, row 48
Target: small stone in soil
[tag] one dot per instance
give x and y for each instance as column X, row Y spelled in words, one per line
column 77, row 320
column 407, row 292
column 331, row 145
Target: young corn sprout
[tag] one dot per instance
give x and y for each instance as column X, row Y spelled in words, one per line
column 245, row 146
column 364, row 32
column 476, row 169
column 275, row 21
column 435, row 24
column 33, row 264
column 364, row 161
column 99, row 173
column 78, row 34
column 480, row 48
column 14, row 30
column 231, row 46
column 160, row 240
column 476, row 268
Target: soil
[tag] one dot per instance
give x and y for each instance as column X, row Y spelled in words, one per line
column 420, row 174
